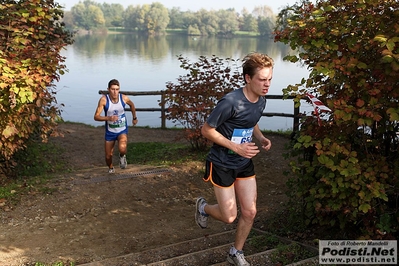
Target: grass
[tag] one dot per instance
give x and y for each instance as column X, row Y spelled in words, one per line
column 280, row 132
column 157, row 153
column 32, row 169
column 282, row 252
column 287, row 254
column 263, row 241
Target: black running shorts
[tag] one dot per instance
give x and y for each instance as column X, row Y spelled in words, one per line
column 225, row 177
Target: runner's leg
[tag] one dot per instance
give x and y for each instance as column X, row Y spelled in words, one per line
column 226, row 208
column 122, row 144
column 246, row 195
column 109, row 151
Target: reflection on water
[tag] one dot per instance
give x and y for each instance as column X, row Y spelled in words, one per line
column 144, row 63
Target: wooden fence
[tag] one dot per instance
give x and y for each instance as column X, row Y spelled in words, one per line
column 295, row 115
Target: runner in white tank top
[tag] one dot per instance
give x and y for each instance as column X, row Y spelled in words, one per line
column 116, row 126
column 117, row 109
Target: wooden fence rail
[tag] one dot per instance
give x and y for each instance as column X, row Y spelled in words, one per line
column 296, row 115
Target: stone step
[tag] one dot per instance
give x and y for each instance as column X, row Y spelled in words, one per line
column 313, row 261
column 257, row 259
column 204, row 257
column 170, row 251
column 204, row 251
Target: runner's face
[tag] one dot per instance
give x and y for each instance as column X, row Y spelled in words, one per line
column 260, row 82
column 114, row 92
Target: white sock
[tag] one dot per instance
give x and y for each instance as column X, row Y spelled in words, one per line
column 233, row 250
column 202, row 209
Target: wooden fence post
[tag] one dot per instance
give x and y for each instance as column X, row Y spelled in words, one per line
column 163, row 111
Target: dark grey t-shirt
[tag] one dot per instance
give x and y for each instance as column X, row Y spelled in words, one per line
column 234, row 112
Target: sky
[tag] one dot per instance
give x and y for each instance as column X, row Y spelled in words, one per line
column 195, row 5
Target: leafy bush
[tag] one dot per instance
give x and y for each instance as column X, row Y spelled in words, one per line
column 190, row 101
column 347, row 168
column 31, row 38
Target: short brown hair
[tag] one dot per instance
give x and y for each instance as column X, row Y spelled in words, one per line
column 113, row 82
column 255, row 61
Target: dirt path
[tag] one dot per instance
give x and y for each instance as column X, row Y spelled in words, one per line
column 90, row 217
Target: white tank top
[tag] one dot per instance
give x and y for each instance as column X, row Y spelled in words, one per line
column 117, row 109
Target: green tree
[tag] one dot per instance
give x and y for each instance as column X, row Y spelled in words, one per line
column 32, row 36
column 208, row 22
column 189, row 18
column 265, row 19
column 228, row 23
column 194, row 30
column 157, row 19
column 176, row 18
column 113, row 14
column 131, row 17
column 68, row 20
column 150, row 19
column 190, row 101
column 88, row 15
column 249, row 22
column 265, row 26
column 264, row 12
column 348, row 171
column 191, row 22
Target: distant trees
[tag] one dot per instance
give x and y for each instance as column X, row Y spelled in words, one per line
column 113, row 14
column 155, row 19
column 151, row 19
column 265, row 19
column 88, row 15
column 228, row 23
column 248, row 22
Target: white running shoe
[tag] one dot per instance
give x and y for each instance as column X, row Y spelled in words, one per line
column 201, row 218
column 238, row 259
column 122, row 162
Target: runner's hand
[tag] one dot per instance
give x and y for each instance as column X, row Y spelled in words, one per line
column 247, row 150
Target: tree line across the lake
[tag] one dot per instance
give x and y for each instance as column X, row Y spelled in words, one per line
column 155, row 18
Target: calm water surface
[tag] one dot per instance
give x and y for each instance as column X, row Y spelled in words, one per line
column 148, row 63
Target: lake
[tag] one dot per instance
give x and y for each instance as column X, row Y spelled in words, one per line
column 142, row 63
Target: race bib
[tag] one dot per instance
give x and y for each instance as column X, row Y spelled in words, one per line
column 118, row 123
column 241, row 135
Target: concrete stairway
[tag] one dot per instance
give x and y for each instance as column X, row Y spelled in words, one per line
column 212, row 250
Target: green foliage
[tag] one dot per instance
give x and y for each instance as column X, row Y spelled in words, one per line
column 347, row 170
column 155, row 19
column 228, row 23
column 263, row 242
column 265, row 26
column 88, row 15
column 32, row 36
column 37, row 159
column 113, row 14
column 190, row 101
column 287, row 254
column 32, row 166
column 157, row 153
column 150, row 19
